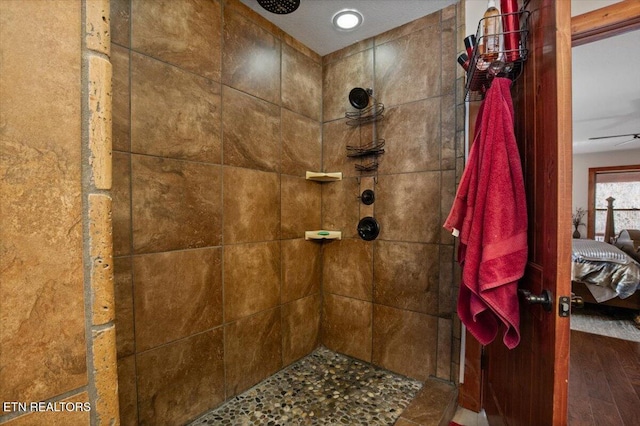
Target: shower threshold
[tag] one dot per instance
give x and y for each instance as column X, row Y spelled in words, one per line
column 323, row 388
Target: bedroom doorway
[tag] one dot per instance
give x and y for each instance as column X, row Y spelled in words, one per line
column 605, row 343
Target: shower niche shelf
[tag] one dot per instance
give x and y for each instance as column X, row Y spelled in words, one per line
column 323, row 234
column 324, row 177
column 483, row 67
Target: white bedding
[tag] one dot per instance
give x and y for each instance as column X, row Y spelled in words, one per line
column 608, row 271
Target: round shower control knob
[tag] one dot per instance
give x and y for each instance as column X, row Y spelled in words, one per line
column 368, row 197
column 368, row 228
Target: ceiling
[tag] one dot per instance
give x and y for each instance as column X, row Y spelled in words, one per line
column 606, row 93
column 606, row 89
column 606, row 81
column 311, row 22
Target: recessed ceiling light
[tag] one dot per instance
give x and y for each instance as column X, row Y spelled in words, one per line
column 347, row 19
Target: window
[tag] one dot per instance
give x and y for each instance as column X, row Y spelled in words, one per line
column 621, row 183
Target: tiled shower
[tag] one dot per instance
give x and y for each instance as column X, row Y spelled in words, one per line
column 217, row 115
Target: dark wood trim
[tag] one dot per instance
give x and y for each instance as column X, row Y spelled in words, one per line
column 529, row 383
column 617, row 168
column 591, row 211
column 605, row 22
column 621, row 177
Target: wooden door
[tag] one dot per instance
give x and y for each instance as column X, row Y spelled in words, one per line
column 528, row 385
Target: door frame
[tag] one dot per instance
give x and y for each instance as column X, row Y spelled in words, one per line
column 585, row 28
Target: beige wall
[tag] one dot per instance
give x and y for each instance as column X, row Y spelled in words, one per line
column 57, row 336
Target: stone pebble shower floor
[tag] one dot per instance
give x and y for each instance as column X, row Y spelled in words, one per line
column 324, row 388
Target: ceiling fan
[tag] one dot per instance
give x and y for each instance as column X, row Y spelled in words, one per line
column 635, row 136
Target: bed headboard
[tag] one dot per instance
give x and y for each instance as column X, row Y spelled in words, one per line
column 609, row 227
column 629, row 242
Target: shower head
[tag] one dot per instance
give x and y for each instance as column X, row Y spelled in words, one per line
column 359, row 97
column 281, row 7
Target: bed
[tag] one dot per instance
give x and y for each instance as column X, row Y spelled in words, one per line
column 608, row 274
column 603, row 273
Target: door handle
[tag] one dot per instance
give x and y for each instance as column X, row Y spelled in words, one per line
column 545, row 299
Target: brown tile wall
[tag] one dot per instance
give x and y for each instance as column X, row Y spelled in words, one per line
column 216, row 288
column 391, row 301
column 210, row 202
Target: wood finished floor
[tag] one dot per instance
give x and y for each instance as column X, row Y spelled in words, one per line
column 604, row 381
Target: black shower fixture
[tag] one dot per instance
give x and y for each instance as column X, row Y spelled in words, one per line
column 280, row 7
column 359, row 97
column 368, row 228
column 368, row 197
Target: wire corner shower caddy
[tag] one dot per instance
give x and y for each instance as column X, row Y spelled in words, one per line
column 368, row 110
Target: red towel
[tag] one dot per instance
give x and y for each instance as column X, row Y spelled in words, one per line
column 490, row 214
